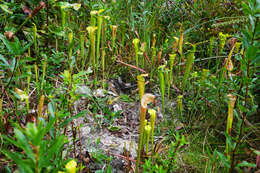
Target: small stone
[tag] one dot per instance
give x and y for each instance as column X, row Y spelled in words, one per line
column 99, row 93
column 117, row 108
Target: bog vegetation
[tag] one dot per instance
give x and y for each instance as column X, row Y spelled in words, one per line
column 190, row 68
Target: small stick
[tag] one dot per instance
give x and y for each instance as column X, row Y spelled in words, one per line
column 132, row 66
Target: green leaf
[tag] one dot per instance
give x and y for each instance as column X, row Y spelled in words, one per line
column 223, row 159
column 5, row 62
column 54, row 149
column 5, row 8
column 246, row 164
column 251, row 52
column 57, row 31
column 50, row 108
column 256, row 60
column 23, row 165
column 26, row 47
column 21, row 143
column 257, row 152
column 24, row 144
column 72, row 118
column 14, row 47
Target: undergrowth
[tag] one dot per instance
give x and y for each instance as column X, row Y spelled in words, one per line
column 196, row 61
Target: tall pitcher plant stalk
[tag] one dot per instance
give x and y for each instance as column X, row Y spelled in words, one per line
column 162, row 87
column 99, row 27
column 231, row 104
column 141, row 85
column 37, row 79
column 114, row 29
column 147, row 129
column 82, row 48
column 188, row 67
column 93, row 19
column 146, row 99
column 172, row 58
column 70, row 43
column 35, row 38
column 136, row 46
column 92, row 36
column 152, row 113
column 103, row 68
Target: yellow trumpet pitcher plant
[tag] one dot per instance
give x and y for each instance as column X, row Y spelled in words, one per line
column 147, row 129
column 146, row 99
column 136, row 43
column 231, row 104
column 152, row 113
column 141, row 85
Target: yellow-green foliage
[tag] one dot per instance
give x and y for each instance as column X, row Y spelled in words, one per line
column 188, row 67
